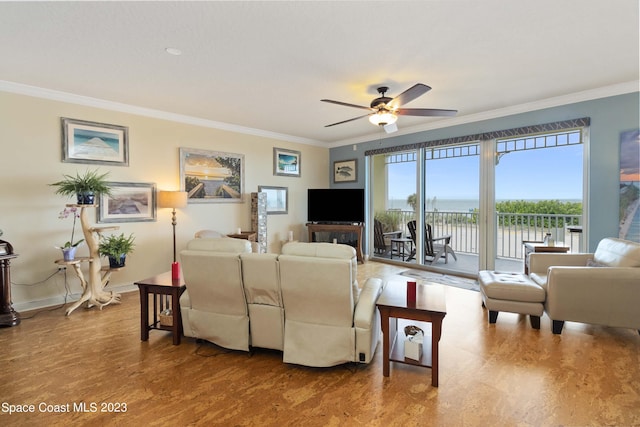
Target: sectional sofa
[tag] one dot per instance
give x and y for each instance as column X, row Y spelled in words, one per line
column 305, row 302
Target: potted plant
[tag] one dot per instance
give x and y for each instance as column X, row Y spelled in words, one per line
column 69, row 248
column 116, row 248
column 85, row 186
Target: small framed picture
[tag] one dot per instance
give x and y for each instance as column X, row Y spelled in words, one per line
column 345, row 171
column 96, row 143
column 277, row 199
column 128, row 202
column 286, row 162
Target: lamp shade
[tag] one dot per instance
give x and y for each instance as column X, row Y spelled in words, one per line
column 172, row 199
column 382, row 118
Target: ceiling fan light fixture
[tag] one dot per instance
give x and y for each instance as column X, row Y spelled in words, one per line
column 382, row 118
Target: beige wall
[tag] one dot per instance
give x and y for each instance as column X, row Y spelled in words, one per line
column 30, row 137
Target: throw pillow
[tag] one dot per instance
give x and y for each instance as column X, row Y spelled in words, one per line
column 594, row 263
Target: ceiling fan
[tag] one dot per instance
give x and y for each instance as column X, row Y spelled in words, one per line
column 384, row 111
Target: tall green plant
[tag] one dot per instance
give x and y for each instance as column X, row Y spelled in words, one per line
column 390, row 220
column 90, row 182
column 412, row 201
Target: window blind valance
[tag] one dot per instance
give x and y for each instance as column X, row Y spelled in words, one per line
column 486, row 136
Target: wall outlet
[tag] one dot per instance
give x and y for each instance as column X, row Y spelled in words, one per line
column 62, row 268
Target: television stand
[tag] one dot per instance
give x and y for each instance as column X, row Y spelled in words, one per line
column 339, row 228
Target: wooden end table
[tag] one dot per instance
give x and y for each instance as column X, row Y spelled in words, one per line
column 430, row 307
column 535, row 246
column 159, row 285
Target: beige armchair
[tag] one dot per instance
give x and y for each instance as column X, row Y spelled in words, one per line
column 601, row 288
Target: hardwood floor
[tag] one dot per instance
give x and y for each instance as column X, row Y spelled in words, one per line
column 505, row 374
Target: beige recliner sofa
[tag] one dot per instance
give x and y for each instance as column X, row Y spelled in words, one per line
column 328, row 320
column 213, row 306
column 600, row 288
column 305, row 302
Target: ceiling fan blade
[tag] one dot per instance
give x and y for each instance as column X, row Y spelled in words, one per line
column 409, row 95
column 347, row 121
column 346, row 104
column 425, row 112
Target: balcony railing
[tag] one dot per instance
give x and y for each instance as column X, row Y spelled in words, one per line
column 512, row 229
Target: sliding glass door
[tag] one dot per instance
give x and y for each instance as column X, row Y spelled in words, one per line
column 475, row 202
column 393, row 198
column 406, row 207
column 538, row 191
column 451, row 202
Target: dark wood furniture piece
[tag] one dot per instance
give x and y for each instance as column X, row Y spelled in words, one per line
column 380, row 238
column 429, row 307
column 246, row 235
column 8, row 316
column 399, row 245
column 339, row 228
column 157, row 286
column 434, row 247
column 535, row 246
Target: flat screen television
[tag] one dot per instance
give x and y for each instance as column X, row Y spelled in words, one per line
column 335, row 205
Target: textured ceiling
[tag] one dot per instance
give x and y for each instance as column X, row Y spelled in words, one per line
column 265, row 65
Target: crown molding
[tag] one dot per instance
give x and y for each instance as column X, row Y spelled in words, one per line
column 71, row 98
column 587, row 95
column 54, row 95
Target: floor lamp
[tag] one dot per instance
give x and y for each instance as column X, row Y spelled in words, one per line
column 173, row 200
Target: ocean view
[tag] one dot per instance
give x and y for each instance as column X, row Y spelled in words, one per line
column 453, row 205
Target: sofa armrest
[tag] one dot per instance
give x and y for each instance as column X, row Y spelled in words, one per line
column 185, row 300
column 539, row 263
column 363, row 314
column 601, row 295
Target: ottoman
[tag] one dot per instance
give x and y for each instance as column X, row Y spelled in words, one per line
column 511, row 292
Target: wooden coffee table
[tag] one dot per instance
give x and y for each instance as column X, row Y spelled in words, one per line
column 427, row 313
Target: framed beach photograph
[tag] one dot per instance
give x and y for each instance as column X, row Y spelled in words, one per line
column 95, row 143
column 629, row 227
column 345, row 171
column 286, row 162
column 211, row 176
column 277, row 199
column 128, row 202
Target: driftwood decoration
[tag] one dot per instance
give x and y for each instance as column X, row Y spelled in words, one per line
column 93, row 288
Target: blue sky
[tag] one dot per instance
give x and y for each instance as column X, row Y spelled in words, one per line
column 552, row 173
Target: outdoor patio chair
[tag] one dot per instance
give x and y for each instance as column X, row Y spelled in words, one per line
column 381, row 239
column 434, row 248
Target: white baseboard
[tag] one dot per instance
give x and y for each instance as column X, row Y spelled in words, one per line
column 60, row 299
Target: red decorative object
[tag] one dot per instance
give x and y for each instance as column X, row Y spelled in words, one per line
column 175, row 270
column 411, row 293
